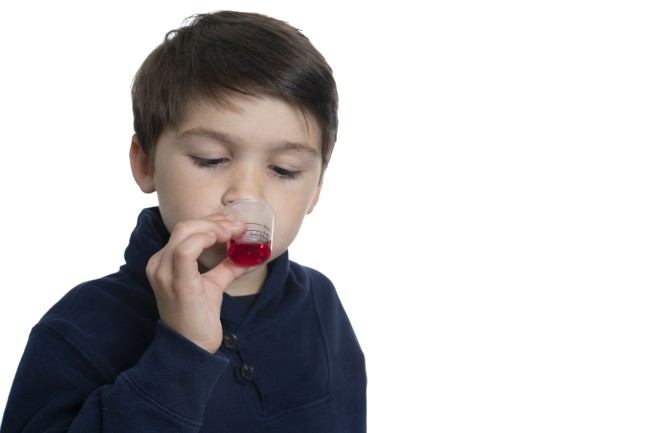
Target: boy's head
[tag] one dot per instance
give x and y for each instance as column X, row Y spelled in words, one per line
column 218, row 55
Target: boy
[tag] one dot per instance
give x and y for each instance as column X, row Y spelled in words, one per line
column 230, row 106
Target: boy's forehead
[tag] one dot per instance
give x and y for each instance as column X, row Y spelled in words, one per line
column 225, row 119
column 202, row 112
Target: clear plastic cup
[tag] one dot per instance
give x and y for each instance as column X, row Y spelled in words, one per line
column 253, row 247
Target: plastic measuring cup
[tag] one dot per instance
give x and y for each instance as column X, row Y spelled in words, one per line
column 253, row 247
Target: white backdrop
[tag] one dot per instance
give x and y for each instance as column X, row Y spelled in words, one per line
column 492, row 162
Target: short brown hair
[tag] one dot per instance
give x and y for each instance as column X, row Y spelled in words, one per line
column 212, row 56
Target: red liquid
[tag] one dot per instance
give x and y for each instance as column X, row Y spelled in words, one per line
column 247, row 254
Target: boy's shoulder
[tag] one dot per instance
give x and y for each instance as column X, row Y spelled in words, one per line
column 308, row 273
column 110, row 295
column 102, row 315
column 319, row 286
column 311, row 279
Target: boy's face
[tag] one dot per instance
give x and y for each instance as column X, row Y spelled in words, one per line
column 254, row 148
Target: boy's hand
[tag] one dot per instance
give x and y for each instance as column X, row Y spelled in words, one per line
column 188, row 301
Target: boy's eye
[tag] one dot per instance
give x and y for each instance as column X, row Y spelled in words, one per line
column 208, row 162
column 284, row 173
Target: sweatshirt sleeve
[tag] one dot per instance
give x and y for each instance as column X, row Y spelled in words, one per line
column 58, row 389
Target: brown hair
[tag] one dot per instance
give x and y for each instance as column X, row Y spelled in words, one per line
column 212, row 56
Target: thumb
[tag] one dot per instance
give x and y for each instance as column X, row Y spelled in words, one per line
column 222, row 275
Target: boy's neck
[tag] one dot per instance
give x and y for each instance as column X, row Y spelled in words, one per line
column 250, row 283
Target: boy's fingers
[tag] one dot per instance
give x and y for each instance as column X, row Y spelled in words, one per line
column 223, row 227
column 187, row 253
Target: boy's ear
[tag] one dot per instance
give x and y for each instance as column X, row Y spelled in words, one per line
column 314, row 200
column 141, row 167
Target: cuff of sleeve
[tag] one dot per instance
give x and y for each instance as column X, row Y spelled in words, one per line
column 177, row 374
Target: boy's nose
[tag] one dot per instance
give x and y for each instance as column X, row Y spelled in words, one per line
column 245, row 183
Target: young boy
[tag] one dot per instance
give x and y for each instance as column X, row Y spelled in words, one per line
column 181, row 339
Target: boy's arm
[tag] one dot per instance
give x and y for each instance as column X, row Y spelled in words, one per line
column 57, row 389
column 60, row 388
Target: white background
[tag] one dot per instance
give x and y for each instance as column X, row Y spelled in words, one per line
column 485, row 215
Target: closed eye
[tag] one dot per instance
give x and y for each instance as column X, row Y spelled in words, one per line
column 284, row 173
column 208, row 162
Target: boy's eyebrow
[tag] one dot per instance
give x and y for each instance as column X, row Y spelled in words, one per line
column 291, row 145
column 207, row 133
column 228, row 139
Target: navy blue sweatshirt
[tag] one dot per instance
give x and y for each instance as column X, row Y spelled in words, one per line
column 102, row 361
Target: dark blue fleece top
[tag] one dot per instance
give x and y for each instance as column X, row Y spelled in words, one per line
column 101, row 360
